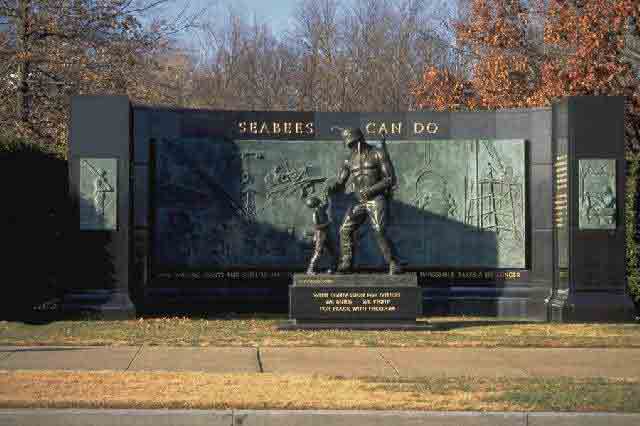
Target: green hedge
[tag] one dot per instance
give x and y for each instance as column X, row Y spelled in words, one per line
column 631, row 222
column 33, row 224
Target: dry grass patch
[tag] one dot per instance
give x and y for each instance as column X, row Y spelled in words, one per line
column 262, row 331
column 58, row 389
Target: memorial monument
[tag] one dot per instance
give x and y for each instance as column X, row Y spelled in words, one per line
column 514, row 213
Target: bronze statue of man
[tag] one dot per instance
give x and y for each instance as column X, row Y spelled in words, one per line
column 373, row 178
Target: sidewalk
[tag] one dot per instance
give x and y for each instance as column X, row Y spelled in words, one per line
column 345, row 362
column 306, row 418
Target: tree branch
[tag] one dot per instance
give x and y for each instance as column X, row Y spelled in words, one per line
column 41, row 35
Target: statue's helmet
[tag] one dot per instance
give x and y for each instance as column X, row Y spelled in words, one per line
column 312, row 202
column 352, row 135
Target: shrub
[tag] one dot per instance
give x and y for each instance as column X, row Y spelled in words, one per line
column 631, row 222
column 35, row 209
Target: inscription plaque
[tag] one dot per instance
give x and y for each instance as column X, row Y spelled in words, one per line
column 98, row 193
column 560, row 193
column 561, row 209
column 383, row 301
column 597, row 192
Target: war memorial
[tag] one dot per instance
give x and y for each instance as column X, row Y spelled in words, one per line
column 356, row 219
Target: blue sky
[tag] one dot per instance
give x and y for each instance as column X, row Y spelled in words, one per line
column 276, row 13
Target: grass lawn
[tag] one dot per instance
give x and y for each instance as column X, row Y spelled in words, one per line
column 245, row 330
column 61, row 389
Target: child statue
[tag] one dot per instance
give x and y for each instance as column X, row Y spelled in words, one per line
column 321, row 235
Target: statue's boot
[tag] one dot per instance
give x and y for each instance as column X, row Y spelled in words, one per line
column 388, row 253
column 311, row 269
column 346, row 253
column 345, row 266
column 334, row 266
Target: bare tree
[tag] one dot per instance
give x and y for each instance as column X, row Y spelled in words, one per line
column 56, row 48
column 359, row 57
column 243, row 66
column 377, row 48
column 315, row 39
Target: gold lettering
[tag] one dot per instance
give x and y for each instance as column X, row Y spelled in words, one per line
column 309, row 128
column 396, row 128
column 287, row 128
column 253, row 127
column 276, row 127
column 316, row 281
column 264, row 128
column 432, row 128
column 369, row 130
column 243, row 126
column 418, row 128
column 383, row 128
column 299, row 128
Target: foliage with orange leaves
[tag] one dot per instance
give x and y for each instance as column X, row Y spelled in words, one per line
column 528, row 54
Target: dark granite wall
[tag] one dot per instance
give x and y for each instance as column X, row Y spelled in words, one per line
column 523, row 296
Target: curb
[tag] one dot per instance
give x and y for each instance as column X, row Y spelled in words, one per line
column 165, row 417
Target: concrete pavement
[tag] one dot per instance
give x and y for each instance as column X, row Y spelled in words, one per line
column 305, row 418
column 346, row 362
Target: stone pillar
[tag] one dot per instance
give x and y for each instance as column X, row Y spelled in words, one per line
column 99, row 173
column 589, row 230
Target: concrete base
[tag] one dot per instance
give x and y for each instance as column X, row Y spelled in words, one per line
column 98, row 304
column 523, row 300
column 590, row 307
column 331, row 325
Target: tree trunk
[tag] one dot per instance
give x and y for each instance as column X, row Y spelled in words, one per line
column 24, row 62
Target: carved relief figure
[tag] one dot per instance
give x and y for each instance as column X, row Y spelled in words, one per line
column 372, row 176
column 432, row 190
column 101, row 189
column 494, row 200
column 597, row 194
column 248, row 197
column 98, row 193
column 284, row 181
